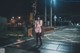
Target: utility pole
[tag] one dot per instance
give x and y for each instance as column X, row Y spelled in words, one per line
column 45, row 13
column 51, row 12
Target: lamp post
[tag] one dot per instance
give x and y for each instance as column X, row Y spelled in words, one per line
column 51, row 14
column 51, row 11
column 45, row 13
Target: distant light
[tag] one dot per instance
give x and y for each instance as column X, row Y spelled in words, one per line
column 18, row 40
column 54, row 2
column 19, row 17
column 12, row 17
column 17, row 45
column 20, row 24
column 12, row 20
column 77, row 24
column 51, row 1
column 55, row 17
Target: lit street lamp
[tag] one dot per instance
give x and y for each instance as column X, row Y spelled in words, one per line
column 54, row 2
column 19, row 17
column 51, row 2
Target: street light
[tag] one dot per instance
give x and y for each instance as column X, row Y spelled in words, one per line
column 45, row 13
column 19, row 17
column 54, row 2
column 51, row 2
column 51, row 12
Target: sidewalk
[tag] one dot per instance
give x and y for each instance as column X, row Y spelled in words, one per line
column 30, row 37
column 28, row 46
column 46, row 30
column 47, row 47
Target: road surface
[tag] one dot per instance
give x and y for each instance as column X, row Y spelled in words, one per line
column 63, row 40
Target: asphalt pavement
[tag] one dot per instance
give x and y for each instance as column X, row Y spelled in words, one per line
column 63, row 40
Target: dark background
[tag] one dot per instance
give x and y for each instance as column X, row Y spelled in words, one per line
column 24, row 7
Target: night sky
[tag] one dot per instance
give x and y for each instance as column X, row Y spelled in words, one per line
column 23, row 7
column 70, row 6
column 14, row 7
column 18, row 7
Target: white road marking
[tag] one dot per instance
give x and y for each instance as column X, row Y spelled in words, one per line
column 18, row 42
column 63, row 37
column 47, row 34
column 71, row 29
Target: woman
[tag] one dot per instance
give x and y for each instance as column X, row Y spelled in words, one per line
column 38, row 30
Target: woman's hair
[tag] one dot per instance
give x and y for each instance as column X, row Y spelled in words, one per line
column 36, row 18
